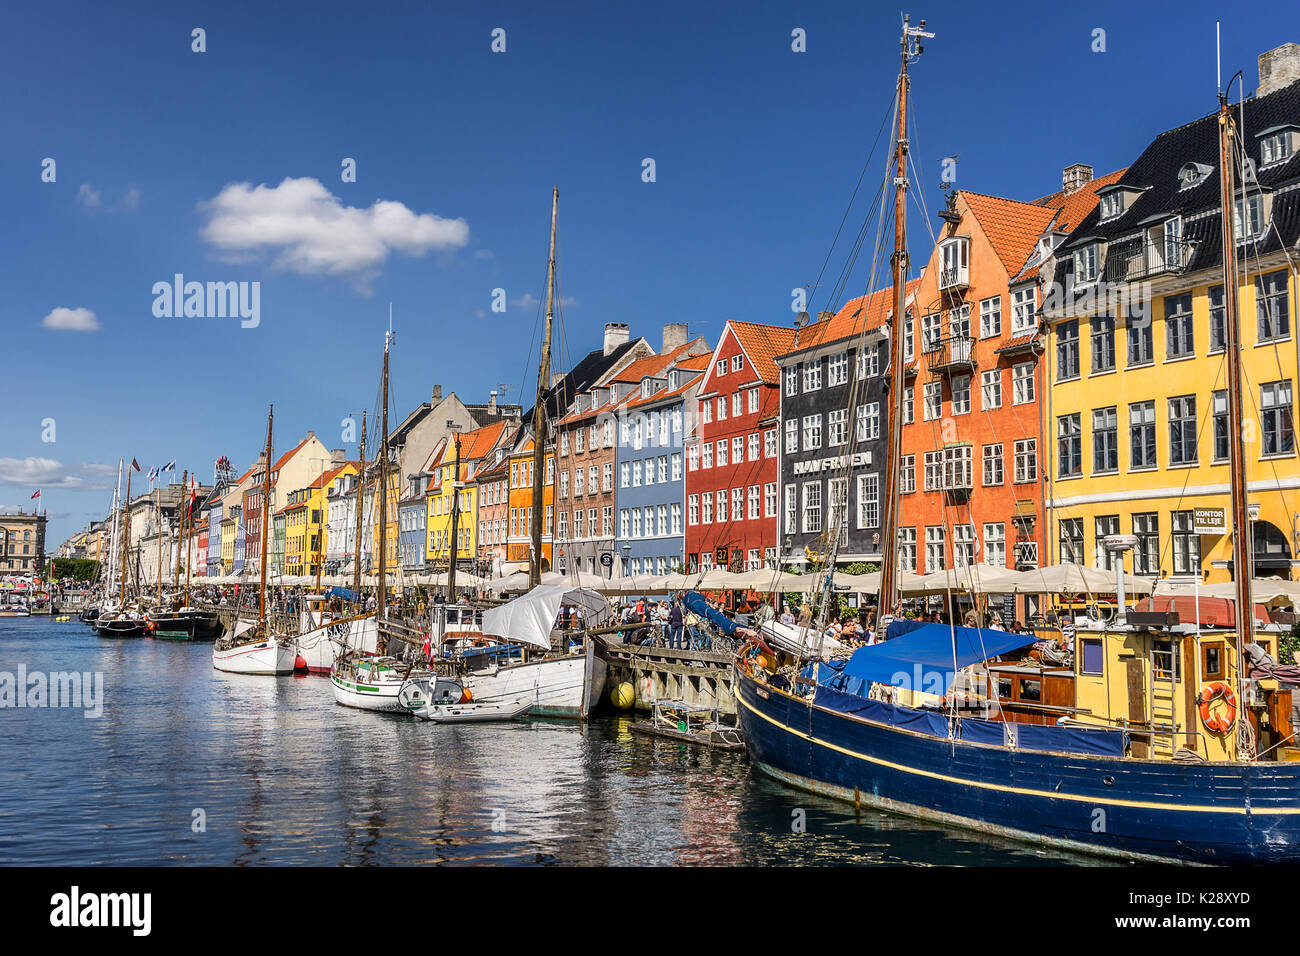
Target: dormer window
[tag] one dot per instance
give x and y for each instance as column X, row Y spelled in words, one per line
column 1111, row 205
column 646, row 388
column 1248, row 218
column 1085, row 264
column 674, row 379
column 954, row 259
column 1278, row 144
column 1193, row 174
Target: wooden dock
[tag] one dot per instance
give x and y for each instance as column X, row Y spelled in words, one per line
column 657, row 673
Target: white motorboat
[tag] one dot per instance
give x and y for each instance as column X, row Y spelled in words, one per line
column 474, row 712
column 270, row 657
column 371, row 683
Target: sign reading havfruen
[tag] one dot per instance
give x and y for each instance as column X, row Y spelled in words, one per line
column 1209, row 520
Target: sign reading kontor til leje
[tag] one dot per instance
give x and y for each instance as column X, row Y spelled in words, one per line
column 1209, row 520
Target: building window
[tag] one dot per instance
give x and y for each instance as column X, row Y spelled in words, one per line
column 907, row 549
column 791, row 436
column 868, row 361
column 961, row 394
column 1218, row 320
column 936, row 551
column 769, row 443
column 737, row 502
column 991, row 317
column 736, row 405
column 1248, row 218
column 1105, row 526
column 1146, row 556
column 1186, row 543
column 677, row 466
column 720, row 498
column 934, row 471
column 812, row 507
column 812, row 375
column 909, row 409
column 868, row 422
column 995, row 545
column 737, row 363
column 722, row 454
column 753, row 401
column 792, row 380
column 837, row 369
column 721, row 368
column 791, row 509
column 1139, row 339
column 963, row 545
column 931, row 331
column 1178, row 326
column 1271, row 307
column 706, row 415
column 993, row 464
column 933, row 406
column 869, row 501
column 1071, row 543
column 1069, row 446
column 693, row 458
column 1182, row 430
column 1023, row 319
column 1219, row 405
column 737, row 452
column 755, row 505
column 907, row 474
column 957, row 467
column 693, row 509
column 1105, row 440
column 991, row 389
column 1142, row 434
column 1275, row 415
column 812, row 432
column 1026, row 460
column 706, row 458
column 1067, row 350
column 769, row 500
column 1103, row 343
column 1275, row 148
column 1022, row 383
column 722, row 408
column 837, row 428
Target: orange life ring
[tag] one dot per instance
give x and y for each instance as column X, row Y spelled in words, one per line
column 1219, row 721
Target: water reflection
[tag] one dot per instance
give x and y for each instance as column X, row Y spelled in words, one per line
column 283, row 775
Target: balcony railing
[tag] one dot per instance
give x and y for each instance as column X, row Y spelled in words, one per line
column 1131, row 261
column 956, row 353
column 954, row 277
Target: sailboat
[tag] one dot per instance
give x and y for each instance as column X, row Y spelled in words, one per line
column 252, row 648
column 526, row 669
column 122, row 618
column 322, row 638
column 858, row 730
column 179, row 620
column 364, row 679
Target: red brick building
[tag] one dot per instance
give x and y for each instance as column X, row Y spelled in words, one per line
column 733, row 459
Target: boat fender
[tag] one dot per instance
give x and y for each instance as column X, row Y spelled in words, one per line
column 1218, row 721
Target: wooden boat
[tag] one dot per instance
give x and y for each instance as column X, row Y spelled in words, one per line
column 15, row 610
column 474, row 712
column 252, row 647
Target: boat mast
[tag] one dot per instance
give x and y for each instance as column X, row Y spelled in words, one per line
column 1242, row 553
column 188, row 556
column 383, row 487
column 539, row 411
column 126, row 534
column 455, row 526
column 113, row 534
column 266, row 524
column 361, row 494
column 180, row 535
column 889, row 540
column 157, row 503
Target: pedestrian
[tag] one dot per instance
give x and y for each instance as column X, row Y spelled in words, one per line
column 675, row 626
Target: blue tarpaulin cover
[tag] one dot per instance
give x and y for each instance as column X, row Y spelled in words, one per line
column 697, row 602
column 926, row 649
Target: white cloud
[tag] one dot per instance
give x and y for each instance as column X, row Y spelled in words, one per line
column 89, row 197
column 93, row 199
column 526, row 301
column 71, row 320
column 43, row 473
column 313, row 233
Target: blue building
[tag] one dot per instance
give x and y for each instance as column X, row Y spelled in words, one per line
column 655, row 422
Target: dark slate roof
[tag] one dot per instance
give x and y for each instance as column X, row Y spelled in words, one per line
column 578, row 379
column 1155, row 175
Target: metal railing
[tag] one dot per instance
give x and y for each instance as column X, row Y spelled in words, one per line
column 955, row 352
column 1126, row 262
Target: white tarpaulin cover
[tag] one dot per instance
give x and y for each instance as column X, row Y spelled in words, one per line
column 530, row 619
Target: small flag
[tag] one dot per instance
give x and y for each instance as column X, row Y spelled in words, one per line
column 153, row 473
column 170, row 466
column 36, row 493
column 135, row 464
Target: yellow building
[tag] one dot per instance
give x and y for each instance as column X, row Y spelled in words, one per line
column 445, row 484
column 1136, row 417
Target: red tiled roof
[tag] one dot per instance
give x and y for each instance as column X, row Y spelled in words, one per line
column 1069, row 211
column 856, row 315
column 333, row 473
column 289, row 454
column 763, row 343
column 1012, row 227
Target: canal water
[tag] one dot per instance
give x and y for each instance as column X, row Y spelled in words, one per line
column 186, row 765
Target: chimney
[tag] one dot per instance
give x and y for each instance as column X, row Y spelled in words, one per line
column 1278, row 67
column 824, row 315
column 1074, row 178
column 437, row 395
column 557, row 378
column 310, row 434
column 338, row 456
column 492, row 402
column 616, row 334
column 675, row 336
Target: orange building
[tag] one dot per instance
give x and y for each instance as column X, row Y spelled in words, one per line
column 519, row 535
column 973, row 441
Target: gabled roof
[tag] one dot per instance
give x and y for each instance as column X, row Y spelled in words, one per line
column 327, row 477
column 1012, row 227
column 474, row 445
column 761, row 344
column 857, row 315
column 652, row 366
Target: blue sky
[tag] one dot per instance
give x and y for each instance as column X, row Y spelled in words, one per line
column 757, row 149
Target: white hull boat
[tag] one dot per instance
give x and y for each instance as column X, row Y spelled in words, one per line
column 320, row 644
column 371, row 683
column 552, row 686
column 271, row 658
column 474, row 712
